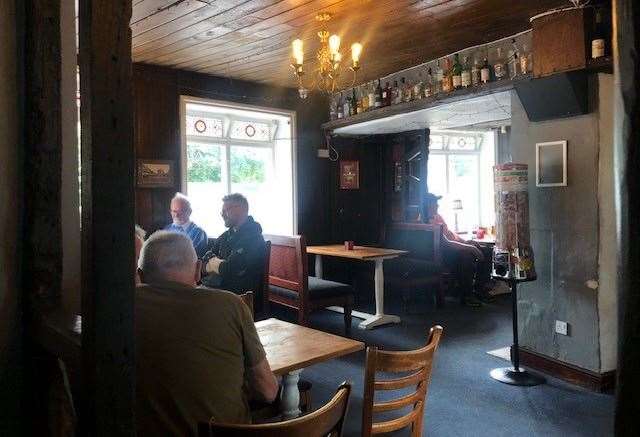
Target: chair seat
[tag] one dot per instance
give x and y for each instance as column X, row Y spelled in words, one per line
column 318, row 289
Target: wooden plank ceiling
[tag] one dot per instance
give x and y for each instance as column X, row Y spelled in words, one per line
column 251, row 39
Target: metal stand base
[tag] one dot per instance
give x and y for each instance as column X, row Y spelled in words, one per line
column 513, row 376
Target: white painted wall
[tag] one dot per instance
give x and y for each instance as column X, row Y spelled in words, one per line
column 608, row 247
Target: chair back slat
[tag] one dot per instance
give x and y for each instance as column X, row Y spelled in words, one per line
column 405, row 381
column 401, row 402
column 404, row 361
column 399, row 423
column 419, row 362
column 327, row 420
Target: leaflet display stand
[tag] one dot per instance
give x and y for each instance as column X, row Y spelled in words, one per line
column 515, row 375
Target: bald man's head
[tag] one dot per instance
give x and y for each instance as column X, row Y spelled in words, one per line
column 169, row 256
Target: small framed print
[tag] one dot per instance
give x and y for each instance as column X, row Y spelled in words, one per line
column 155, row 173
column 551, row 164
column 349, row 175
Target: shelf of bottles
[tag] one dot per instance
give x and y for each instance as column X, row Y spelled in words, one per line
column 476, row 67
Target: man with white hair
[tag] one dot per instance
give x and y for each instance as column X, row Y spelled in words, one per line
column 195, row 350
column 181, row 213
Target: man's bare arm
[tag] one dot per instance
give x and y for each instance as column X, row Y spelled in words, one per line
column 263, row 382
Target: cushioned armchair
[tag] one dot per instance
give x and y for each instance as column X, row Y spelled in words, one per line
column 421, row 271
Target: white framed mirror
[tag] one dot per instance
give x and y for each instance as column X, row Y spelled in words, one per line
column 551, row 164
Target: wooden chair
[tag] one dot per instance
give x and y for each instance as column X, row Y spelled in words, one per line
column 422, row 269
column 326, row 421
column 290, row 285
column 264, row 293
column 419, row 363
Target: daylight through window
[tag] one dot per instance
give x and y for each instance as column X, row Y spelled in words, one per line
column 237, row 149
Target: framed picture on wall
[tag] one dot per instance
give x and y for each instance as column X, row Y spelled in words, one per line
column 551, row 164
column 349, row 175
column 155, row 173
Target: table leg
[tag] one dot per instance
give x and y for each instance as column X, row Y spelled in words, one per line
column 290, row 400
column 380, row 318
column 318, row 261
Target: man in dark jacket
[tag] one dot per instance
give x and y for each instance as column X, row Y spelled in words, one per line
column 235, row 262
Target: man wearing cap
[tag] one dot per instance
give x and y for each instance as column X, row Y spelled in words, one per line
column 466, row 258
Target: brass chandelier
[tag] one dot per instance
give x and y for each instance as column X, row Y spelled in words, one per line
column 327, row 74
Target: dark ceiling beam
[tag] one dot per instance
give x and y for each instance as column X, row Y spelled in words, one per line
column 626, row 19
column 106, row 115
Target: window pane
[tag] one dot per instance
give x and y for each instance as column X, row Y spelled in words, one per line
column 206, row 184
column 436, row 142
column 463, row 143
column 252, row 175
column 254, row 131
column 437, row 174
column 204, row 126
column 463, row 186
column 249, row 165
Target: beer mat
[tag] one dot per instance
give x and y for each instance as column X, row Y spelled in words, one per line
column 503, row 353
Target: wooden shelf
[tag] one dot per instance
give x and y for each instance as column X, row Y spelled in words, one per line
column 427, row 103
column 601, row 65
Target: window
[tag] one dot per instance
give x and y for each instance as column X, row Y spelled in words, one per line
column 460, row 169
column 238, row 149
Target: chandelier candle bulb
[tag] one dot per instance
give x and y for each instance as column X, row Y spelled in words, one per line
column 356, row 50
column 334, row 45
column 298, row 52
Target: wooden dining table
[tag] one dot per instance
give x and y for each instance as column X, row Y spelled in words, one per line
column 291, row 348
column 377, row 255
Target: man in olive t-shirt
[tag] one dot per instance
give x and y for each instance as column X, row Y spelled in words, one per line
column 195, row 347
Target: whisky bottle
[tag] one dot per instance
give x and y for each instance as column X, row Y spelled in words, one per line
column 418, row 88
column 406, row 91
column 340, row 111
column 465, row 76
column 396, row 92
column 456, row 72
column 475, row 73
column 347, row 107
column 447, row 77
column 597, row 42
column 386, row 95
column 333, row 109
column 371, row 95
column 355, row 103
column 499, row 69
column 485, row 72
column 428, row 84
column 438, row 79
column 364, row 98
column 379, row 96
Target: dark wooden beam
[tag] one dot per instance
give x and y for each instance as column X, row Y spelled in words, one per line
column 107, row 219
column 626, row 14
column 43, row 154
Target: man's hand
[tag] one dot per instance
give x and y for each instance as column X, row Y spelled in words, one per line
column 213, row 265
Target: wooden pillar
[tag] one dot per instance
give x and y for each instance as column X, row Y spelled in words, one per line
column 626, row 43
column 43, row 151
column 106, row 117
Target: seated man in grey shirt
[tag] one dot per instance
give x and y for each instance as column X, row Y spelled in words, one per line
column 196, row 351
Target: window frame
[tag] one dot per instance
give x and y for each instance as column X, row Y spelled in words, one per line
column 447, row 152
column 227, row 142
